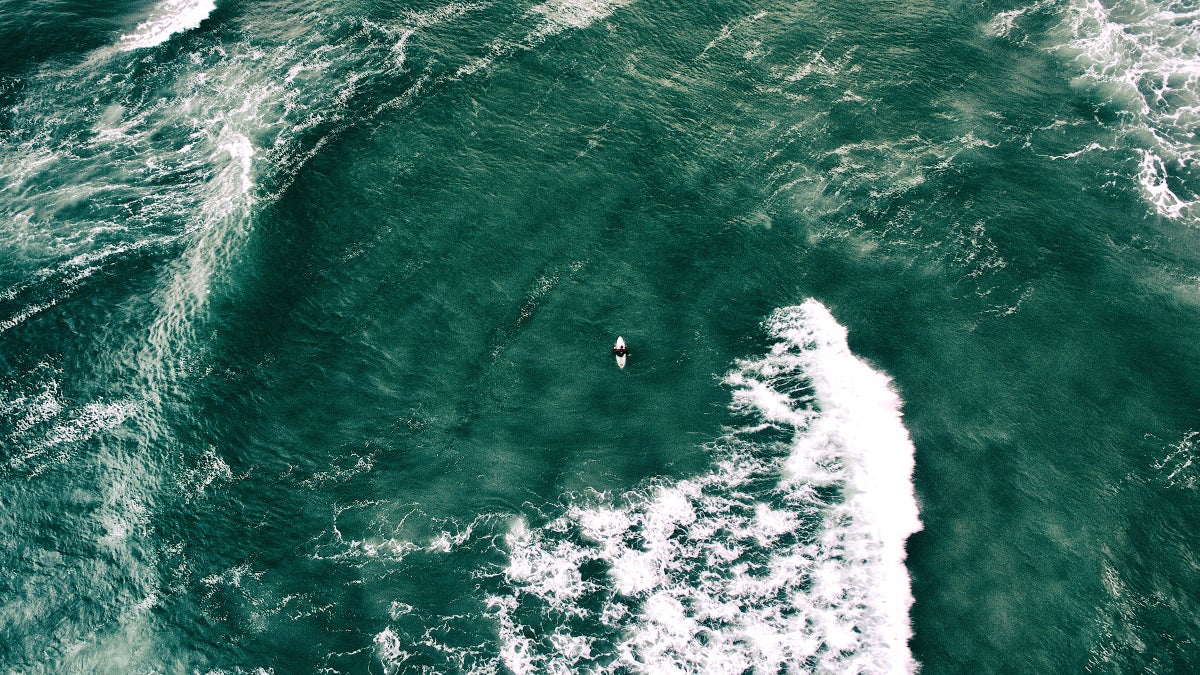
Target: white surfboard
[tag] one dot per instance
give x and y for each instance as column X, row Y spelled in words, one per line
column 621, row 357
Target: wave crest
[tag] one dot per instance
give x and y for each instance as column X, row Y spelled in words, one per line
column 787, row 554
column 169, row 18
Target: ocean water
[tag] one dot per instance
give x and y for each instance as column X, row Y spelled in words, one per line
column 306, row 313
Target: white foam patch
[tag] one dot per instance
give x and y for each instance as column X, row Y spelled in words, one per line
column 1152, row 175
column 1180, row 468
column 389, row 648
column 44, row 428
column 393, row 543
column 787, row 556
column 1118, row 627
column 1144, row 57
column 209, row 471
column 1004, row 24
column 552, row 18
column 561, row 15
column 169, row 18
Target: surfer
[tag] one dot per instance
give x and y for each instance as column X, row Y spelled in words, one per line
column 620, row 350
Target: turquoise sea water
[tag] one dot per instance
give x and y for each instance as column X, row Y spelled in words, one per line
column 306, row 313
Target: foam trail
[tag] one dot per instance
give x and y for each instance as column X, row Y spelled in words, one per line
column 1143, row 56
column 1147, row 58
column 788, row 555
column 169, row 18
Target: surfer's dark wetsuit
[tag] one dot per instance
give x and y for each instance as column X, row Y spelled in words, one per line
column 620, row 351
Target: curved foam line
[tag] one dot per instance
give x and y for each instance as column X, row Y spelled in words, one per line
column 860, row 425
column 721, row 573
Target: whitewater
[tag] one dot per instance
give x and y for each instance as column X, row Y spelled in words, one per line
column 306, row 312
column 787, row 554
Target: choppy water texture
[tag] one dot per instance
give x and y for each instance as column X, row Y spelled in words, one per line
column 306, row 309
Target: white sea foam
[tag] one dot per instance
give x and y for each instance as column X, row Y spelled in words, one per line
column 1004, row 23
column 561, row 15
column 26, row 313
column 787, row 555
column 44, row 429
column 552, row 17
column 389, row 647
column 210, row 469
column 1146, row 56
column 169, row 18
column 1180, row 468
column 60, row 282
column 1143, row 56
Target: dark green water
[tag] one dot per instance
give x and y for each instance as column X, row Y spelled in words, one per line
column 306, row 310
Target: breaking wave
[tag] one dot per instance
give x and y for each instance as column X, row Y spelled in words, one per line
column 169, row 18
column 787, row 555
